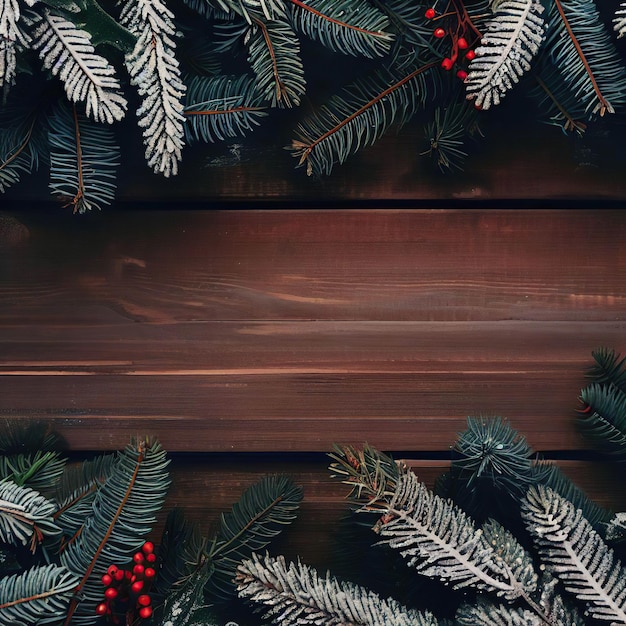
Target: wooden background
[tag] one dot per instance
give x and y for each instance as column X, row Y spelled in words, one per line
column 250, row 341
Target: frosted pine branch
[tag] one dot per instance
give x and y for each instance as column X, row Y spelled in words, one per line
column 512, row 38
column 619, row 22
column 295, row 594
column 442, row 542
column 10, row 36
column 155, row 71
column 67, row 52
column 574, row 552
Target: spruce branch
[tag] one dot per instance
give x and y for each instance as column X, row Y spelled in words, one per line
column 274, row 55
column 295, row 593
column 609, row 368
column 358, row 117
column 122, row 515
column 575, row 553
column 67, row 51
column 343, row 26
column 39, row 595
column 154, row 69
column 83, row 160
column 26, row 517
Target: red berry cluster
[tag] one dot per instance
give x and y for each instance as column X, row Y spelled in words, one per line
column 127, row 589
column 458, row 36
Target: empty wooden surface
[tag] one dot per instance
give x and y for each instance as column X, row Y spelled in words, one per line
column 257, row 334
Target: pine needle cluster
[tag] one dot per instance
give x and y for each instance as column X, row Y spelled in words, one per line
column 511, row 537
column 76, row 76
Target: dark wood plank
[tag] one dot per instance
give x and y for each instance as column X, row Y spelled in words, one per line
column 371, row 265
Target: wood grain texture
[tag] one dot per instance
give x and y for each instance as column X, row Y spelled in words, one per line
column 280, row 332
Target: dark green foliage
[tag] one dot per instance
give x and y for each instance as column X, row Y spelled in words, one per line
column 93, row 56
column 84, row 158
column 38, row 596
column 609, row 368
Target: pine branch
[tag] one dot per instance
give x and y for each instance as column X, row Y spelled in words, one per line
column 262, row 512
column 485, row 613
column 343, row 26
column 220, row 107
column 77, row 492
column 357, row 118
column 609, row 369
column 25, row 516
column 39, row 595
column 83, row 160
column 154, row 69
column 295, row 593
column 513, row 37
column 121, row 517
column 274, row 55
column 603, row 418
column 87, row 77
column 581, row 63
column 575, row 553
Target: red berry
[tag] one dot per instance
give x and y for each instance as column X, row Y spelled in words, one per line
column 439, row 33
column 470, row 54
column 138, row 557
column 461, row 42
column 148, row 547
column 107, row 579
column 462, row 74
column 144, row 600
column 151, row 558
column 145, row 612
column 149, row 573
column 119, row 575
column 446, row 64
column 110, row 593
column 138, row 569
column 137, row 586
column 101, row 609
column 430, row 13
column 112, row 569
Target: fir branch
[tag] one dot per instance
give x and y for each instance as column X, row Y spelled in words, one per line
column 357, row 118
column 83, row 160
column 25, row 516
column 575, row 553
column 220, row 107
column 39, row 595
column 513, row 37
column 262, row 512
column 581, row 59
column 68, row 53
column 274, row 55
column 77, row 491
column 609, row 368
column 122, row 515
column 295, row 593
column 154, row 69
column 343, row 26
column 603, row 418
